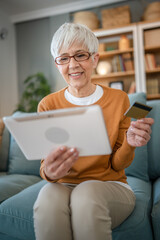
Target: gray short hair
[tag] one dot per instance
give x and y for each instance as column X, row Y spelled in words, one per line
column 70, row 33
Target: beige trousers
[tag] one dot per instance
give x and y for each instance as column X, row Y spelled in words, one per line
column 87, row 211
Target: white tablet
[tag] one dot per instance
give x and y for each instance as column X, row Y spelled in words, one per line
column 81, row 127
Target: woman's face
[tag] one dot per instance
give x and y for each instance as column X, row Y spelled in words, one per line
column 78, row 74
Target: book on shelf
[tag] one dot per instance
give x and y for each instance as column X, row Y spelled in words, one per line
column 146, row 63
column 118, row 64
column 153, row 86
column 132, row 88
column 114, row 64
column 121, row 63
column 128, row 61
column 150, row 61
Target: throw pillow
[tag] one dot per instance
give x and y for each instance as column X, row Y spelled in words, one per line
column 18, row 164
column 4, row 146
column 153, row 144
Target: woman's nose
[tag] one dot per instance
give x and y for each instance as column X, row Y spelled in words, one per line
column 73, row 62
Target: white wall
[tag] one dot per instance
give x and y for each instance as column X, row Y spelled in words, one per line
column 33, row 50
column 8, row 73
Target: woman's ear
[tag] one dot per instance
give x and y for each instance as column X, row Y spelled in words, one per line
column 95, row 59
column 56, row 65
column 59, row 67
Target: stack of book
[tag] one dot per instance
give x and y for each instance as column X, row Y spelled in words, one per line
column 122, row 63
column 153, row 86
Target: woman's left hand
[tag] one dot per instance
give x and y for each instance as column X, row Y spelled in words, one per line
column 139, row 132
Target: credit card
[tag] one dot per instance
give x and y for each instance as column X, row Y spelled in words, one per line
column 138, row 110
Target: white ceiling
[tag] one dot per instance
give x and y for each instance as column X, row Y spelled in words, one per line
column 21, row 10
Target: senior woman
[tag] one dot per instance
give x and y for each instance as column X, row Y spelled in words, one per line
column 86, row 197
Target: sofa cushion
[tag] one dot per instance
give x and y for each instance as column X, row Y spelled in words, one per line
column 137, row 225
column 18, row 164
column 156, row 209
column 19, row 216
column 4, row 146
column 17, row 213
column 3, row 174
column 139, row 166
column 13, row 184
column 154, row 143
column 6, row 237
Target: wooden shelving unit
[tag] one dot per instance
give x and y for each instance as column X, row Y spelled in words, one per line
column 150, row 78
column 156, row 70
column 140, row 76
column 113, row 75
column 111, row 53
column 151, row 49
column 112, row 36
column 153, row 96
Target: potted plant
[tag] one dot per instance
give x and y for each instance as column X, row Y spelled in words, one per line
column 36, row 87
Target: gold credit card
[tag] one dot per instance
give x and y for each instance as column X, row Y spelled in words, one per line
column 138, row 110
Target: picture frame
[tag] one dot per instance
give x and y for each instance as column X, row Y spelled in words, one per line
column 117, row 85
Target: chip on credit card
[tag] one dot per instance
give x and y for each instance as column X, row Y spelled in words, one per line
column 138, row 110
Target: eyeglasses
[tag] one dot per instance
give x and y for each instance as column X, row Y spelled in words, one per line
column 79, row 57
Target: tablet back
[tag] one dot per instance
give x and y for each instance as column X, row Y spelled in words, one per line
column 81, row 127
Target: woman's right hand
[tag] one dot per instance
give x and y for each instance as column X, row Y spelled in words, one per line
column 59, row 162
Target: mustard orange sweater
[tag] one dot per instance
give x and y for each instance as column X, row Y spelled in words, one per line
column 114, row 103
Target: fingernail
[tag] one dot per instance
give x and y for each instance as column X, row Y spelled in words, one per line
column 141, row 120
column 75, row 154
column 72, row 150
column 62, row 148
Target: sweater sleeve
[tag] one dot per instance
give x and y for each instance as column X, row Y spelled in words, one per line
column 123, row 154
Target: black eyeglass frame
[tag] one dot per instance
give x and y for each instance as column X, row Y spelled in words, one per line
column 73, row 56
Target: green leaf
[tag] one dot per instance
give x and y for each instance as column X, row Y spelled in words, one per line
column 36, row 87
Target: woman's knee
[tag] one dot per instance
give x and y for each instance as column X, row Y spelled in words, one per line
column 52, row 196
column 51, row 212
column 88, row 211
column 84, row 196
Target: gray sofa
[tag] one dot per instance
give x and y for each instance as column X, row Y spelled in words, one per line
column 20, row 183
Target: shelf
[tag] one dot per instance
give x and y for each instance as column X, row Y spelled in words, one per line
column 152, row 49
column 114, row 28
column 153, row 96
column 156, row 70
column 105, row 54
column 113, row 75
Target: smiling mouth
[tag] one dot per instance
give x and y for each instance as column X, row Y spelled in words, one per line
column 75, row 74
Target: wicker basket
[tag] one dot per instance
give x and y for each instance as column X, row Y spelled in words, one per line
column 89, row 19
column 151, row 37
column 152, row 12
column 116, row 17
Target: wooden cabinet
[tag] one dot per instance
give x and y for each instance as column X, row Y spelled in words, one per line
column 144, row 52
column 123, row 63
column 149, row 57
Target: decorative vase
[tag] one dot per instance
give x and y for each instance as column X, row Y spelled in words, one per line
column 123, row 43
